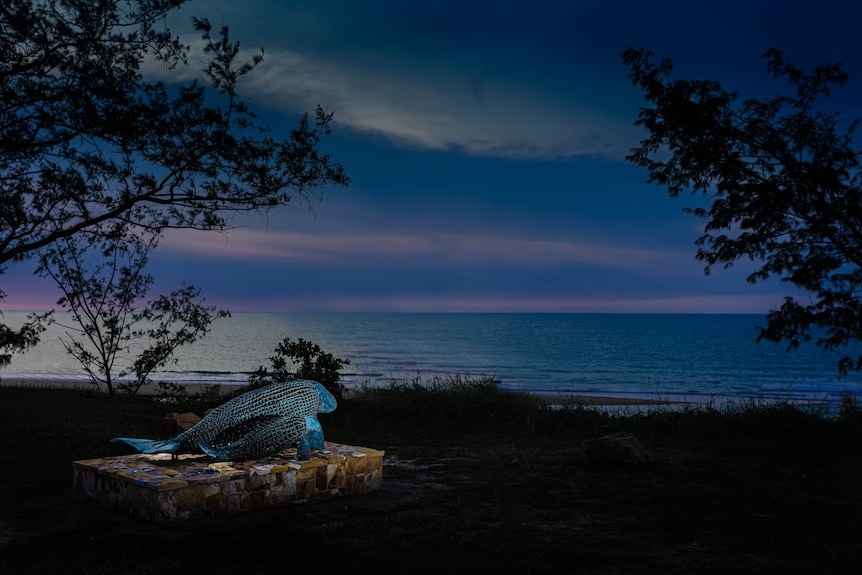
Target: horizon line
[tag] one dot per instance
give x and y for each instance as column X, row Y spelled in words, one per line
column 717, row 304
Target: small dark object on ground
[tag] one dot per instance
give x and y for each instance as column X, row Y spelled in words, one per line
column 175, row 423
column 616, row 448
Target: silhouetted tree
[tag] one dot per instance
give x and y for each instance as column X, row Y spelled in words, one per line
column 87, row 143
column 783, row 179
column 117, row 333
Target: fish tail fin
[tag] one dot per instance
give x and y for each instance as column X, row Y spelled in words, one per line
column 150, row 445
column 216, row 452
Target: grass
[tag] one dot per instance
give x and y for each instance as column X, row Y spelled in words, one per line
column 479, row 479
column 47, row 426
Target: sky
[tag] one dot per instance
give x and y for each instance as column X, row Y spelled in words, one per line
column 485, row 141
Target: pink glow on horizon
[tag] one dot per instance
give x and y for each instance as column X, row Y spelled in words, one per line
column 758, row 304
column 31, row 299
column 683, row 304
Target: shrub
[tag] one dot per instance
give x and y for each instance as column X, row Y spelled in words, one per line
column 452, row 398
column 301, row 359
column 850, row 410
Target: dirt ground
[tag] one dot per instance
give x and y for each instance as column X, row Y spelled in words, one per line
column 491, row 509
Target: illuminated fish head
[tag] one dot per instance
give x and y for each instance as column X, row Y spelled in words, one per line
column 325, row 399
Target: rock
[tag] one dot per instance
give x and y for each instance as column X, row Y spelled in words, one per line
column 620, row 447
column 176, row 423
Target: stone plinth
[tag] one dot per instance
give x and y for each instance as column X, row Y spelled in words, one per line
column 159, row 488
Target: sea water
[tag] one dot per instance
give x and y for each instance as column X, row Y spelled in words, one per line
column 691, row 356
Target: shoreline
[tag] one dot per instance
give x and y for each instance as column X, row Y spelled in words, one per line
column 599, row 400
column 552, row 399
column 84, row 385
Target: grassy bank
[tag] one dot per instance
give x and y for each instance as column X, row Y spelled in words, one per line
column 474, row 479
column 48, row 427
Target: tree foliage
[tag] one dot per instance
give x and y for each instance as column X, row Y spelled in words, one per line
column 783, row 179
column 21, row 339
column 89, row 144
column 171, row 321
column 302, row 359
column 116, row 333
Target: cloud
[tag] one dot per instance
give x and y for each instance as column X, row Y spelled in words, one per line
column 452, row 248
column 442, row 108
column 417, row 104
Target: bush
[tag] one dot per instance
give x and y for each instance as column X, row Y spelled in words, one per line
column 850, row 410
column 300, row 359
column 453, row 398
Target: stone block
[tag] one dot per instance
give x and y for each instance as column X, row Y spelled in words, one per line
column 158, row 488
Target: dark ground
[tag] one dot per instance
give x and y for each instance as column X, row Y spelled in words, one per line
column 490, row 509
column 491, row 501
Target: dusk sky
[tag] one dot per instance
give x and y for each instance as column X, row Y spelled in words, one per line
column 485, row 143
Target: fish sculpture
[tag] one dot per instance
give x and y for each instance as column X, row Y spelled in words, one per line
column 259, row 423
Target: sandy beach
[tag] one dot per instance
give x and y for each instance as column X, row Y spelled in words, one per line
column 150, row 389
column 566, row 399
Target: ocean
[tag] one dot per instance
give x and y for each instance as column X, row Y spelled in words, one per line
column 662, row 356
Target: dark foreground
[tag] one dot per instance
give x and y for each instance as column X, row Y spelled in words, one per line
column 491, row 488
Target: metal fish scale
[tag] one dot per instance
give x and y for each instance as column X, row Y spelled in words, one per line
column 258, row 423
